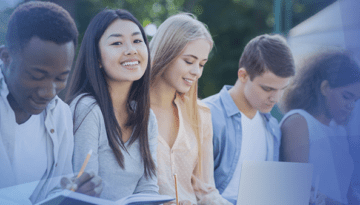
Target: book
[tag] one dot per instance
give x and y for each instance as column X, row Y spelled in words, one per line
column 67, row 197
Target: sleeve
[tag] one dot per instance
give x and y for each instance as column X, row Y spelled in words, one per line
column 203, row 183
column 149, row 184
column 87, row 130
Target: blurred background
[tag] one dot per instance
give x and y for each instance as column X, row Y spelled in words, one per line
column 309, row 25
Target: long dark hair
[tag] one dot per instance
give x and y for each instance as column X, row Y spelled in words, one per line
column 338, row 68
column 88, row 78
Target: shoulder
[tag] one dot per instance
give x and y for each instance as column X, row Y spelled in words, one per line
column 85, row 109
column 294, row 116
column 218, row 113
column 84, row 104
column 213, row 102
column 293, row 123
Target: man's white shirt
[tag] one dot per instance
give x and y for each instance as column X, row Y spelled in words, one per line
column 253, row 148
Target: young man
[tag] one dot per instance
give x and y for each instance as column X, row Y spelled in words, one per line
column 36, row 135
column 242, row 125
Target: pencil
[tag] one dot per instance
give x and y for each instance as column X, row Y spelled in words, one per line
column 84, row 165
column 176, row 190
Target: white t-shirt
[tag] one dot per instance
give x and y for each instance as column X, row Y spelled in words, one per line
column 30, row 157
column 253, row 148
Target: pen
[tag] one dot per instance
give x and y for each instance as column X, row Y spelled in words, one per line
column 84, row 165
column 176, row 190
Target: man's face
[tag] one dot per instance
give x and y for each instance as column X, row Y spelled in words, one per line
column 37, row 74
column 264, row 91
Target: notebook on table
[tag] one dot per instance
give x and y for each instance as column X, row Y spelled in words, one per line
column 275, row 183
column 67, row 197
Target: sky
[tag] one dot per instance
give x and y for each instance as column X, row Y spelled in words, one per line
column 8, row 3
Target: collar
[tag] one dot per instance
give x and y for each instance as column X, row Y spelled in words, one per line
column 229, row 104
column 267, row 116
column 3, row 87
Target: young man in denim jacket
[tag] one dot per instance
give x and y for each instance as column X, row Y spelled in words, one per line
column 242, row 125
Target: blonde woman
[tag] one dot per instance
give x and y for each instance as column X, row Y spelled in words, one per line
column 179, row 51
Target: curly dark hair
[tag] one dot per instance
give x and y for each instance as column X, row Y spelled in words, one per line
column 338, row 68
column 46, row 20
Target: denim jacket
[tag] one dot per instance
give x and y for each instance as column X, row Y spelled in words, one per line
column 227, row 138
column 59, row 144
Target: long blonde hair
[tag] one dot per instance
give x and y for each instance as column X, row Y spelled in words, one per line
column 167, row 45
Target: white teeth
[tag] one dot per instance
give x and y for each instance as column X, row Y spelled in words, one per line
column 130, row 63
column 190, row 81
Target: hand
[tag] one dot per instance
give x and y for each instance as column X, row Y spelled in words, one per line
column 183, row 202
column 88, row 183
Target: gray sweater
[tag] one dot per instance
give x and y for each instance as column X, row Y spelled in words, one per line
column 91, row 134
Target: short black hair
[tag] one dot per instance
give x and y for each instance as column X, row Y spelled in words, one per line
column 46, row 20
column 268, row 53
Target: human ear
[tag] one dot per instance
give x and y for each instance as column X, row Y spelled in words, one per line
column 325, row 88
column 5, row 56
column 243, row 75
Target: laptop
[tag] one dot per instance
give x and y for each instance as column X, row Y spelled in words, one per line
column 275, row 183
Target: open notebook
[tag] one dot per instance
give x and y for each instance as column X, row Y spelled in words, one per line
column 67, row 197
column 275, row 183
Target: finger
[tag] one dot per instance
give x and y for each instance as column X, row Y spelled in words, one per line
column 66, row 183
column 86, row 176
column 95, row 192
column 90, row 185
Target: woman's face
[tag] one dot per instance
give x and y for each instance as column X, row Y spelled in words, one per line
column 124, row 55
column 188, row 66
column 341, row 101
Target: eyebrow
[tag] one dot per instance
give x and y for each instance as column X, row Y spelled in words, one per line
column 349, row 93
column 190, row 55
column 118, row 35
column 44, row 72
column 271, row 88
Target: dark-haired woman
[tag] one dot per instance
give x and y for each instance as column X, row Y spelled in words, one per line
column 109, row 96
column 318, row 103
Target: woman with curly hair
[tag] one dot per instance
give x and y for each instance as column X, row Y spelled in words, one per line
column 318, row 102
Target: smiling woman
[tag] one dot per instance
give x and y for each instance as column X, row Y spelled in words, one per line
column 179, row 51
column 109, row 96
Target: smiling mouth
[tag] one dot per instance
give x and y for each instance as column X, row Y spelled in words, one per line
column 189, row 81
column 130, row 63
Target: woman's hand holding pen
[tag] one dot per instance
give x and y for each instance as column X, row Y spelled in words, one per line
column 183, row 202
column 88, row 183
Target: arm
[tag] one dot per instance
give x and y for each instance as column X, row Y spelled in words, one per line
column 295, row 139
column 203, row 183
column 149, row 185
column 87, row 126
column 86, row 137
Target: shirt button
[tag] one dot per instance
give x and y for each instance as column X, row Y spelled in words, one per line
column 56, row 165
column 52, row 131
